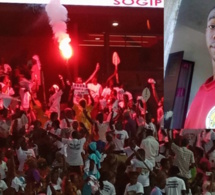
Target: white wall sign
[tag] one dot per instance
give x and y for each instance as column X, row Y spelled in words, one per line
column 114, row 3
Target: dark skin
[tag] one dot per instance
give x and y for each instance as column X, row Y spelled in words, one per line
column 210, row 37
column 172, row 141
column 82, row 103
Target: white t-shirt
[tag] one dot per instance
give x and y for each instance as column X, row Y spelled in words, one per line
column 174, row 185
column 22, row 155
column 47, row 124
column 151, row 147
column 54, row 102
column 136, row 188
column 106, row 92
column 56, row 131
column 119, row 140
column 74, row 150
column 55, row 186
column 108, row 189
column 63, row 123
column 3, row 169
column 129, row 151
column 25, row 98
column 3, row 186
column 102, row 127
column 18, row 182
column 95, row 90
column 143, row 178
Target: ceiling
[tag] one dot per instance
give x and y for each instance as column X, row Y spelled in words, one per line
column 193, row 13
column 138, row 27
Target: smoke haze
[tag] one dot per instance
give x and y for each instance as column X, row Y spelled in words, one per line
column 57, row 14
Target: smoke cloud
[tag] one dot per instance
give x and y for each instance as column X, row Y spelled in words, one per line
column 57, row 14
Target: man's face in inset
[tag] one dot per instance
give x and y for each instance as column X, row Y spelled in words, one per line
column 210, row 34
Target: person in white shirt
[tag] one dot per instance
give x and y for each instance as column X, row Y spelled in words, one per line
column 75, row 148
column 120, row 136
column 68, row 119
column 134, row 187
column 107, row 181
column 95, row 89
column 3, row 166
column 131, row 148
column 143, row 166
column 48, row 123
column 54, row 99
column 151, row 146
column 23, row 153
column 174, row 185
column 54, row 185
column 3, row 186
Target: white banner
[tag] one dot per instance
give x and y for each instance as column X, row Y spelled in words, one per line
column 113, row 3
column 80, row 89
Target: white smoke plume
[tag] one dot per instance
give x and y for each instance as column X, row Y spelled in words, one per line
column 57, row 14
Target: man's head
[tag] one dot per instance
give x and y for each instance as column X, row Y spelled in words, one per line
column 210, row 34
column 94, row 80
column 82, row 103
column 100, row 117
column 78, row 80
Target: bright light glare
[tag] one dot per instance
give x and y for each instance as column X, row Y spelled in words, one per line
column 115, row 24
column 66, row 48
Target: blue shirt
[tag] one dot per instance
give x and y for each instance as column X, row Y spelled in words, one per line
column 156, row 191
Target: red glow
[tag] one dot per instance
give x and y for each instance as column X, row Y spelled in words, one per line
column 66, row 48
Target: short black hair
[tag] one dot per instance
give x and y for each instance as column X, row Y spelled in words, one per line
column 210, row 12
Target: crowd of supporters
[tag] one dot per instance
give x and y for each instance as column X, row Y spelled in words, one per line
column 94, row 139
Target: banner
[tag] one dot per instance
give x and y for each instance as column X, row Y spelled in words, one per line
column 80, row 89
column 113, row 3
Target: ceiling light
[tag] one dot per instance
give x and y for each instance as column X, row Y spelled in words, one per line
column 115, row 24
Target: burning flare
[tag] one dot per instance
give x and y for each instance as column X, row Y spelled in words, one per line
column 57, row 14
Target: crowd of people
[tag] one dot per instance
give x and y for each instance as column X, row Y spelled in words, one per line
column 94, row 139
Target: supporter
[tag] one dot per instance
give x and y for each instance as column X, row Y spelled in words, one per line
column 54, row 99
column 132, row 146
column 3, row 185
column 64, row 143
column 121, row 136
column 54, row 185
column 95, row 89
column 3, row 166
column 134, row 186
column 160, row 184
column 74, row 151
column 72, row 184
column 184, row 158
column 165, row 166
column 83, row 105
column 6, row 86
column 129, row 125
column 68, row 119
column 206, row 140
column 53, row 117
column 144, row 167
column 92, row 166
column 23, row 152
column 175, row 185
column 33, row 177
column 151, row 146
column 107, row 181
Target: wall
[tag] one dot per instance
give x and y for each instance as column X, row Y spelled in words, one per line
column 193, row 44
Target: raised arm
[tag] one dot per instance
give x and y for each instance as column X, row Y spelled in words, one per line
column 93, row 74
column 154, row 92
